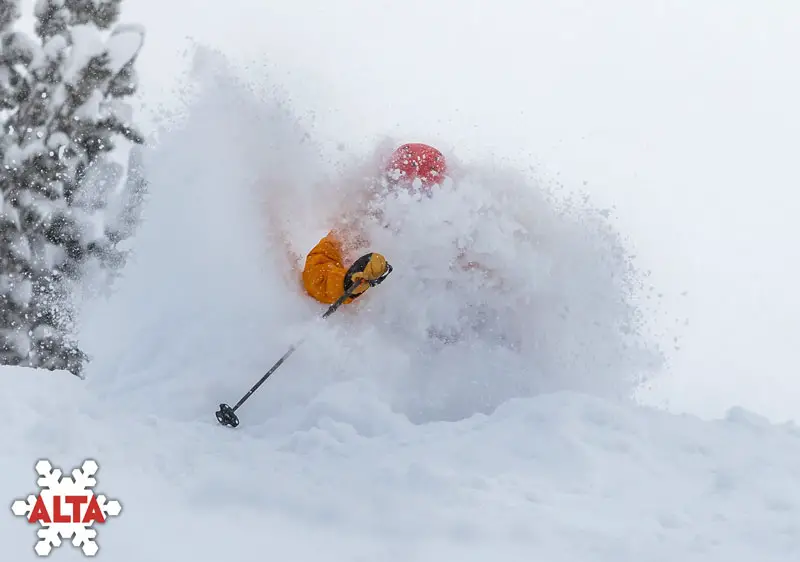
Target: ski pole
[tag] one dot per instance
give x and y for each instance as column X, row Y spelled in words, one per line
column 226, row 415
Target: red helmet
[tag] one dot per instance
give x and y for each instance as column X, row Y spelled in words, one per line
column 417, row 160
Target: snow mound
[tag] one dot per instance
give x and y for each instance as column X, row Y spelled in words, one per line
column 562, row 477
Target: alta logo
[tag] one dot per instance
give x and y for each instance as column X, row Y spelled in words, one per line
column 66, row 507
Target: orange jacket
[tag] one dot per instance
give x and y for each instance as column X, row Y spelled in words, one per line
column 324, row 272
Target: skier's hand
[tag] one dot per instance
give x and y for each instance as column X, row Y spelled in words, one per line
column 368, row 267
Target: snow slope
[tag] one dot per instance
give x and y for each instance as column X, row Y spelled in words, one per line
column 562, row 477
column 378, row 440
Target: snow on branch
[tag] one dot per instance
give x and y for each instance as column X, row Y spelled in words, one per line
column 65, row 202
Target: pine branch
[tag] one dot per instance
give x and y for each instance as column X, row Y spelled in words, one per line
column 60, row 117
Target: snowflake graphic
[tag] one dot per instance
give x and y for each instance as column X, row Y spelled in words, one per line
column 53, row 484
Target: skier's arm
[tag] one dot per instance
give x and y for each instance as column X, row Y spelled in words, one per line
column 323, row 275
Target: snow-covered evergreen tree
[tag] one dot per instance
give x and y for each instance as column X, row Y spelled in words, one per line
column 67, row 197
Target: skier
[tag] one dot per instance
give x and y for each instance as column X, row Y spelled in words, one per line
column 325, row 277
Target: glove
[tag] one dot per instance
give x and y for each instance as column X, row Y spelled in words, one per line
column 368, row 267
